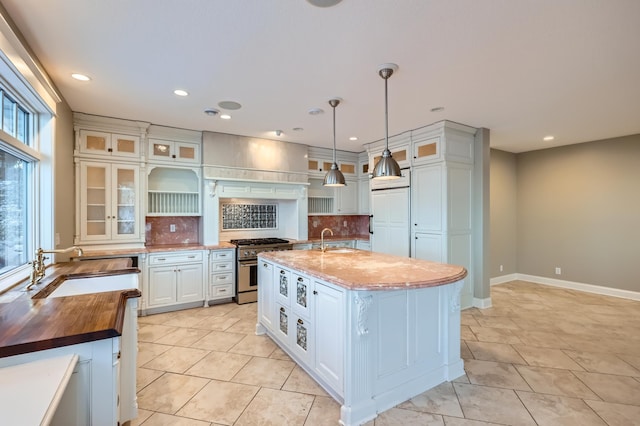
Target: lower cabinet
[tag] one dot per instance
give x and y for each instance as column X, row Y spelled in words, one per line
column 221, row 275
column 175, row 278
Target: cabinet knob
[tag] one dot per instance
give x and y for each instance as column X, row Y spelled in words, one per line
column 281, row 309
column 415, row 224
column 265, row 265
column 300, row 321
column 300, row 279
column 282, row 272
column 173, row 156
column 315, row 292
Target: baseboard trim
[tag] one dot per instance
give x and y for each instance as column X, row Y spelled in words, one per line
column 482, row 303
column 503, row 279
column 588, row 288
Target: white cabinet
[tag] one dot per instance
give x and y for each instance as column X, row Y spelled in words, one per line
column 266, row 286
column 173, row 191
column 347, row 197
column 330, row 200
column 427, row 198
column 363, row 245
column 330, row 335
column 175, row 278
column 221, row 274
column 106, row 144
column 364, row 192
column 108, row 203
column 168, row 151
column 399, row 145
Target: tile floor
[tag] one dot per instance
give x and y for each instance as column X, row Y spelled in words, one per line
column 539, row 356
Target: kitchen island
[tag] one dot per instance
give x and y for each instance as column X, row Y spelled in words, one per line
column 372, row 329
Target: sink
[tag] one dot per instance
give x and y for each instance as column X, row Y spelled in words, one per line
column 101, row 284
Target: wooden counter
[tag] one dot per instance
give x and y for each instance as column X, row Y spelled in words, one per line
column 33, row 324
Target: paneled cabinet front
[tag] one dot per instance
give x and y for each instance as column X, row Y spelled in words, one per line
column 175, row 278
column 108, row 144
column 166, row 151
column 108, row 203
column 221, row 275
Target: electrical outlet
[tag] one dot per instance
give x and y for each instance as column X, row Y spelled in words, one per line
column 344, row 223
column 172, row 228
column 57, row 239
column 501, row 268
column 558, row 271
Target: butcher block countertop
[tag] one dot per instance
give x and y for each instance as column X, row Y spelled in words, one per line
column 365, row 270
column 31, row 322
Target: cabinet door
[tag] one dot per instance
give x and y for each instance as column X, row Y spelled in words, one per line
column 190, row 282
column 92, row 142
column 125, row 146
column 162, row 285
column 283, row 286
column 428, row 247
column 330, row 335
column 95, row 201
column 124, row 217
column 283, row 326
column 363, row 196
column 186, row 152
column 426, row 198
column 160, row 150
column 265, row 295
column 426, row 150
column 302, row 296
column 302, row 339
column 348, row 198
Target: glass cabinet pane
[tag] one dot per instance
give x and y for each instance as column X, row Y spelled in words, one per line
column 301, row 335
column 284, row 285
column 187, row 152
column 126, row 145
column 126, row 199
column 97, row 143
column 301, row 294
column 162, row 150
column 96, row 214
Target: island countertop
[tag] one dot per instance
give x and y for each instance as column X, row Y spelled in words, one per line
column 32, row 324
column 365, row 270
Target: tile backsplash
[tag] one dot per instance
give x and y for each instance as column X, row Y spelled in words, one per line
column 158, row 230
column 249, row 216
column 347, row 225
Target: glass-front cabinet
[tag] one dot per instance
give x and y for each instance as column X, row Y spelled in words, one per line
column 174, row 151
column 109, row 144
column 109, row 202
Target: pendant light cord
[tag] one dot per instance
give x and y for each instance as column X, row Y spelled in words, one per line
column 334, row 133
column 386, row 114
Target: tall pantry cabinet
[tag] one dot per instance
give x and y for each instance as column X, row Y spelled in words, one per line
column 109, row 160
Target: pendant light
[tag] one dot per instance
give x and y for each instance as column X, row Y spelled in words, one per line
column 334, row 177
column 386, row 167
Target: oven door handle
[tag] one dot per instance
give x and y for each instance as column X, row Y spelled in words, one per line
column 247, row 263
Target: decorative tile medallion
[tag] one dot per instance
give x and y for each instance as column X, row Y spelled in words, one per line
column 249, row 216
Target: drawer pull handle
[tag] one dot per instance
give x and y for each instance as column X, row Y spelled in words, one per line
column 222, row 290
column 300, row 279
column 265, row 265
column 282, row 272
column 162, row 259
column 192, row 257
column 300, row 321
column 281, row 309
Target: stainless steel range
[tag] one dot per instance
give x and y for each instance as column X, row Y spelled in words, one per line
column 247, row 264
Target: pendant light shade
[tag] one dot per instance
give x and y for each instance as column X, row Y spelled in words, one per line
column 334, row 176
column 386, row 167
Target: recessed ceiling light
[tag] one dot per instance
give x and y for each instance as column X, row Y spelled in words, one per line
column 230, row 105
column 353, row 138
column 225, row 116
column 81, row 77
column 437, row 109
column 316, row 111
column 548, row 138
column 324, row 3
column 278, row 132
column 297, row 129
column 181, row 92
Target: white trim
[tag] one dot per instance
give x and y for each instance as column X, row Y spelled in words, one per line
column 503, row 279
column 588, row 288
column 482, row 303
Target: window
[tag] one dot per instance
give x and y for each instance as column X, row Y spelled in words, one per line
column 18, row 164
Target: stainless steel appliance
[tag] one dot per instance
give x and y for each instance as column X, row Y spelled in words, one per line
column 247, row 264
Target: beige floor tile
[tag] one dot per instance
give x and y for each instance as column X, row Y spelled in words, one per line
column 468, row 319
column 552, row 410
column 265, row 372
column 325, row 411
column 603, row 363
column 497, row 322
column 244, row 326
column 492, row 405
column 170, row 392
column 280, row 354
column 153, row 332
column 542, row 339
column 160, row 419
column 440, row 400
column 216, row 323
column 217, row 341
column 217, row 310
column 300, row 381
column 546, row 357
column 466, row 333
column 496, row 374
column 145, row 376
column 182, row 337
column 399, row 416
column 499, row 352
column 555, row 381
column 142, row 416
column 454, row 421
column 631, row 359
column 177, row 359
column 148, row 351
column 495, row 335
column 465, row 353
column 616, row 414
column 219, row 365
column 183, row 319
column 155, row 318
column 277, row 408
column 619, row 389
column 462, row 379
column 255, row 346
column 219, row 402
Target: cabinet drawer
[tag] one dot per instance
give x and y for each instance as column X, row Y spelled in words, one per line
column 301, row 295
column 283, row 285
column 170, row 258
column 221, row 266
column 217, row 255
column 222, row 290
column 226, row 278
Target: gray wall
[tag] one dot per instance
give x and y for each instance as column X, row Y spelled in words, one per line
column 64, row 182
column 503, row 240
column 576, row 207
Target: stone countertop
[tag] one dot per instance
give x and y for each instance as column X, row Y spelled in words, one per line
column 90, row 252
column 333, row 238
column 31, row 324
column 365, row 270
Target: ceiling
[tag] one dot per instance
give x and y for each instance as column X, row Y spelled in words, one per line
column 524, row 69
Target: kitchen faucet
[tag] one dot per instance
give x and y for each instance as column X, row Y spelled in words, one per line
column 38, row 266
column 322, row 247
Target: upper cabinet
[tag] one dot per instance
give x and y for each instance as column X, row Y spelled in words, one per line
column 400, row 147
column 173, row 191
column 175, row 152
column 319, row 162
column 108, row 144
